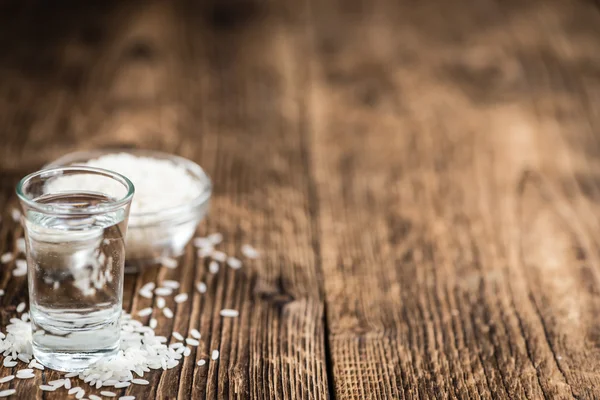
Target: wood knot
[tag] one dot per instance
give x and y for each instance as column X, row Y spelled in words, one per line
column 273, row 292
column 140, row 51
column 232, row 14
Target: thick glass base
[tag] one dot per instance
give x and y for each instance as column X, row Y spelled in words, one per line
column 71, row 361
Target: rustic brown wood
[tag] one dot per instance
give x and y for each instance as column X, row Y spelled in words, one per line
column 456, row 169
column 176, row 77
column 421, row 178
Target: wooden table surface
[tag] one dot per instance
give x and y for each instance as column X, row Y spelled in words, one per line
column 422, row 179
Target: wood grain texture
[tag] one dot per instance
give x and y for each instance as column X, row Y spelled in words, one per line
column 185, row 78
column 455, row 163
column 420, row 177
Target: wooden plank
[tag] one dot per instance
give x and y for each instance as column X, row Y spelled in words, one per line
column 221, row 84
column 456, row 171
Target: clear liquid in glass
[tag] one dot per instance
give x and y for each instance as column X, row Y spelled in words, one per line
column 75, row 281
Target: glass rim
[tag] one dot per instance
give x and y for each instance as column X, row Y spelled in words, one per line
column 58, row 171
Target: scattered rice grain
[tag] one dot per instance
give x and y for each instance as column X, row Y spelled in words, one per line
column 215, row 354
column 167, row 312
column 201, row 287
column 181, row 298
column 177, row 336
column 160, row 302
column 234, row 263
column 249, row 251
column 163, row 291
column 215, row 238
column 144, row 312
column 205, row 252
column 192, row 342
column 153, row 323
column 219, row 256
column 17, row 272
column 38, row 366
column 94, row 397
column 170, row 263
column 107, row 393
column 201, row 242
column 6, row 257
column 21, row 245
column 15, row 214
column 49, row 388
column 138, row 381
column 201, row 362
column 213, row 267
column 7, row 379
column 7, row 392
column 227, row 312
column 171, row 284
column 195, row 334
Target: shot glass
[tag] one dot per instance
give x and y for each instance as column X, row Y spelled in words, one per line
column 75, row 221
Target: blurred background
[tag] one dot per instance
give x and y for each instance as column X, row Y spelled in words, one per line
column 423, row 176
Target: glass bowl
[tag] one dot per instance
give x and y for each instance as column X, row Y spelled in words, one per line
column 153, row 236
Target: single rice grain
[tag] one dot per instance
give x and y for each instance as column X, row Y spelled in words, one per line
column 227, row 312
column 21, row 245
column 170, row 263
column 160, row 302
column 215, row 238
column 144, row 312
column 163, row 291
column 249, row 251
column 234, row 263
column 213, row 267
column 201, row 287
column 171, row 284
column 15, row 214
column 219, row 256
column 181, row 298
